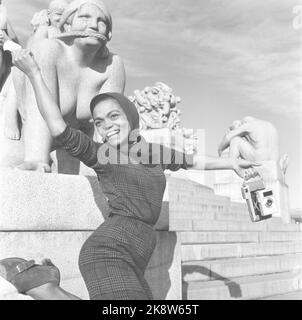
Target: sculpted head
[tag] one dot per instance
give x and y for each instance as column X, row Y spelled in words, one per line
column 55, row 11
column 248, row 119
column 87, row 19
column 236, row 124
column 115, row 117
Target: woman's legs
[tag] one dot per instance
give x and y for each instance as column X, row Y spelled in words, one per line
column 113, row 260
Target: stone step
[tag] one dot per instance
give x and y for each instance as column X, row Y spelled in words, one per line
column 199, row 252
column 202, row 237
column 199, row 214
column 232, row 216
column 239, row 207
column 230, row 268
column 214, row 225
column 188, row 187
column 200, row 204
column 250, row 287
column 296, row 295
column 198, row 237
column 280, row 236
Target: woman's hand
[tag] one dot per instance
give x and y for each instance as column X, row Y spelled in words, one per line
column 245, row 168
column 24, row 60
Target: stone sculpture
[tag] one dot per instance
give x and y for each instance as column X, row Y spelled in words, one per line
column 160, row 118
column 251, row 139
column 6, row 32
column 75, row 66
column 157, row 107
column 45, row 23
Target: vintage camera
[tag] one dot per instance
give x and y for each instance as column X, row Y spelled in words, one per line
column 260, row 201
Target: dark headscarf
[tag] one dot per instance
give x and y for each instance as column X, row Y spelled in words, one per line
column 127, row 106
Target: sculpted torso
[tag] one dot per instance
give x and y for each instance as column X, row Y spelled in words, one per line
column 77, row 85
column 251, row 139
column 73, row 83
column 264, row 138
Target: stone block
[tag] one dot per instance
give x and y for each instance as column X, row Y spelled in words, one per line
column 37, row 201
column 163, row 273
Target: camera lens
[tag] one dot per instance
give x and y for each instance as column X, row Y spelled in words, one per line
column 269, row 203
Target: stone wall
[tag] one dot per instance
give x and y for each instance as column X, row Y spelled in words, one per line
column 51, row 215
column 207, row 248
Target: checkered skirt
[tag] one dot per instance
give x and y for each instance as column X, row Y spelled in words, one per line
column 114, row 258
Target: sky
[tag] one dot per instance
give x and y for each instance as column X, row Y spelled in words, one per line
column 225, row 58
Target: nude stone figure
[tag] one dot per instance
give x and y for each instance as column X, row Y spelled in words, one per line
column 76, row 66
column 6, row 32
column 45, row 25
column 254, row 140
column 251, row 139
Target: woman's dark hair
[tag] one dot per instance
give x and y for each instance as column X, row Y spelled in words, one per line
column 127, row 106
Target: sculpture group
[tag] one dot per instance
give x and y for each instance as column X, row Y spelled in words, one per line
column 74, row 72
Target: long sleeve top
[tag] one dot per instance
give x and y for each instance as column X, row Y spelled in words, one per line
column 134, row 189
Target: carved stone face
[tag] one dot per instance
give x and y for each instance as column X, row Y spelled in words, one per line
column 89, row 18
column 54, row 18
column 111, row 122
column 235, row 125
column 55, row 11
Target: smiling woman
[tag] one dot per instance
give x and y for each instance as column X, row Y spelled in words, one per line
column 228, row 54
column 114, row 258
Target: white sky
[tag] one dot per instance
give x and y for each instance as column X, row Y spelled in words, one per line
column 224, row 58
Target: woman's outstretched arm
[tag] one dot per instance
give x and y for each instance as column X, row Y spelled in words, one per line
column 201, row 162
column 50, row 111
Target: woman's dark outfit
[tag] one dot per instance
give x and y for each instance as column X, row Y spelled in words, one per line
column 114, row 258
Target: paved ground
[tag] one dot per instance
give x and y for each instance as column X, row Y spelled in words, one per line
column 288, row 296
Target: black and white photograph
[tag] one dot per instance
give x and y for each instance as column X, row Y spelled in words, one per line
column 150, row 150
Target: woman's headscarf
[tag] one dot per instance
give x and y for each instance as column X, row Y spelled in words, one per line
column 127, row 106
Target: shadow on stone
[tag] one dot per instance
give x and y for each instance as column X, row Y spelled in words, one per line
column 233, row 287
column 161, row 269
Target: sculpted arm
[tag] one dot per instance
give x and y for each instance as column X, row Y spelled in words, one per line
column 37, row 137
column 116, row 79
column 239, row 132
column 11, row 32
column 41, row 33
column 46, row 103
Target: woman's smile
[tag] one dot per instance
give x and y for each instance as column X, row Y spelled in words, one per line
column 112, row 133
